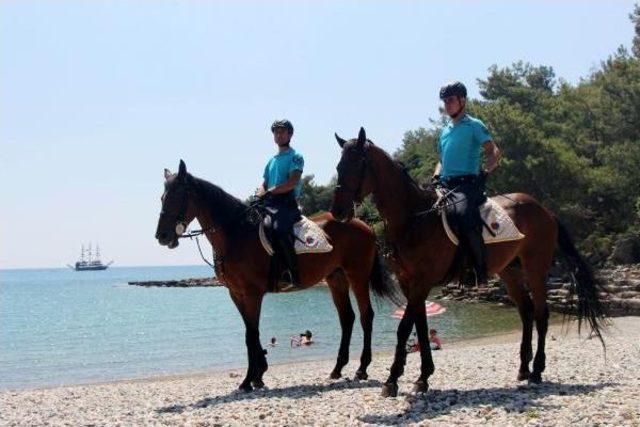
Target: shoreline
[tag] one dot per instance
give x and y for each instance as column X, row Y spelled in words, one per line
column 498, row 337
column 487, row 339
column 474, row 382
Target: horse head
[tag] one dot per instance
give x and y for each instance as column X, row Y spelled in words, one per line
column 178, row 207
column 355, row 177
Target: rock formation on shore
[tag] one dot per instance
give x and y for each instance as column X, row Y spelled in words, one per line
column 185, row 283
column 621, row 296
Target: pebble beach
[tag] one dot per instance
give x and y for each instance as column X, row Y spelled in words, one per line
column 474, row 383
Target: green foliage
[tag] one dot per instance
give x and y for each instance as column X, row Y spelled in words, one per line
column 635, row 18
column 315, row 198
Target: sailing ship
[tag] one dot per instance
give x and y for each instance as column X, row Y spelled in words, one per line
column 90, row 261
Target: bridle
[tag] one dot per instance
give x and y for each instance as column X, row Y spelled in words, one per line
column 356, row 195
column 181, row 223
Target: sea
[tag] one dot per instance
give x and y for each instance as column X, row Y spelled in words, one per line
column 62, row 327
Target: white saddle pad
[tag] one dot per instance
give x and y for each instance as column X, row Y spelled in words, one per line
column 494, row 215
column 310, row 238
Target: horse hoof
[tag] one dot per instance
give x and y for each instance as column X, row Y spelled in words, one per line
column 523, row 375
column 362, row 375
column 420, row 386
column 335, row 375
column 390, row 390
column 257, row 384
column 535, row 378
column 246, row 387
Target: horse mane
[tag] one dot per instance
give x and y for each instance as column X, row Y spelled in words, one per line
column 425, row 194
column 227, row 211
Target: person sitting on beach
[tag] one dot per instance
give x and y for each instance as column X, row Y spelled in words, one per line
column 273, row 342
column 434, row 340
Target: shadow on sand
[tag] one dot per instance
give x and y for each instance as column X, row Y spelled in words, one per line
column 295, row 392
column 427, row 406
column 520, row 399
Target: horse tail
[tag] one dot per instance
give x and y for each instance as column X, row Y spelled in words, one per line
column 583, row 284
column 381, row 281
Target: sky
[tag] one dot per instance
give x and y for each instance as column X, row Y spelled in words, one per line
column 98, row 97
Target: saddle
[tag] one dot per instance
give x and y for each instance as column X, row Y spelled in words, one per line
column 498, row 226
column 309, row 238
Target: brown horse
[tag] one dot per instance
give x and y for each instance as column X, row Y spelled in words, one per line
column 243, row 264
column 423, row 256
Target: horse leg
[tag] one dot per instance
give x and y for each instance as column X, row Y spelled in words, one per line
column 514, row 282
column 541, row 314
column 537, row 269
column 249, row 307
column 340, row 293
column 361, row 291
column 390, row 388
column 426, row 360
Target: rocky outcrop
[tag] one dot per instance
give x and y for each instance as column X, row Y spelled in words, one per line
column 626, row 251
column 186, row 283
column 621, row 293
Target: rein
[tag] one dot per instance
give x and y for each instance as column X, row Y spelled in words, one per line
column 255, row 205
column 194, row 235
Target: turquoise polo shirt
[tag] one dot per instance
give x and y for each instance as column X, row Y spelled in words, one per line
column 280, row 167
column 460, row 147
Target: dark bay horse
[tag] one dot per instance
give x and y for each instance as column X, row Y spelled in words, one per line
column 422, row 254
column 243, row 264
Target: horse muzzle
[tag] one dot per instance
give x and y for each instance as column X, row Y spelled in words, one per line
column 166, row 239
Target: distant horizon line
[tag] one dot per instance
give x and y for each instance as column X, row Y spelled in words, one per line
column 118, row 266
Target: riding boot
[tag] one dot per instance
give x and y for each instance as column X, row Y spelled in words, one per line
column 291, row 260
column 478, row 250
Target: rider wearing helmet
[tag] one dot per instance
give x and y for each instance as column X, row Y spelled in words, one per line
column 462, row 141
column 279, row 190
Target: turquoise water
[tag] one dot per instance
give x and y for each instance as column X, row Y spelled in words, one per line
column 58, row 326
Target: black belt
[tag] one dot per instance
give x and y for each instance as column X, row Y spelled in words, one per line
column 460, row 179
column 284, row 199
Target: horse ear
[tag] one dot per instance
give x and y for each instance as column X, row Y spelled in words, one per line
column 167, row 173
column 362, row 137
column 341, row 141
column 182, row 170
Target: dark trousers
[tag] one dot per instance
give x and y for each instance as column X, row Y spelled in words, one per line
column 462, row 204
column 282, row 213
column 466, row 196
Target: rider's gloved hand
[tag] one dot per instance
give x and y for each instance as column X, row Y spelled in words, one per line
column 261, row 193
column 265, row 195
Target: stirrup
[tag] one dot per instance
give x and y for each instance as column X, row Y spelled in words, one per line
column 290, row 285
column 481, row 282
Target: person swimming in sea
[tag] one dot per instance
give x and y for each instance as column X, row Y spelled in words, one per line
column 304, row 339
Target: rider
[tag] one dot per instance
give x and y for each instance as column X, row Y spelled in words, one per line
column 279, row 190
column 461, row 141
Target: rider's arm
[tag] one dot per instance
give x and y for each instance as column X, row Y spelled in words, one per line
column 438, row 169
column 492, row 155
column 288, row 185
column 260, row 191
